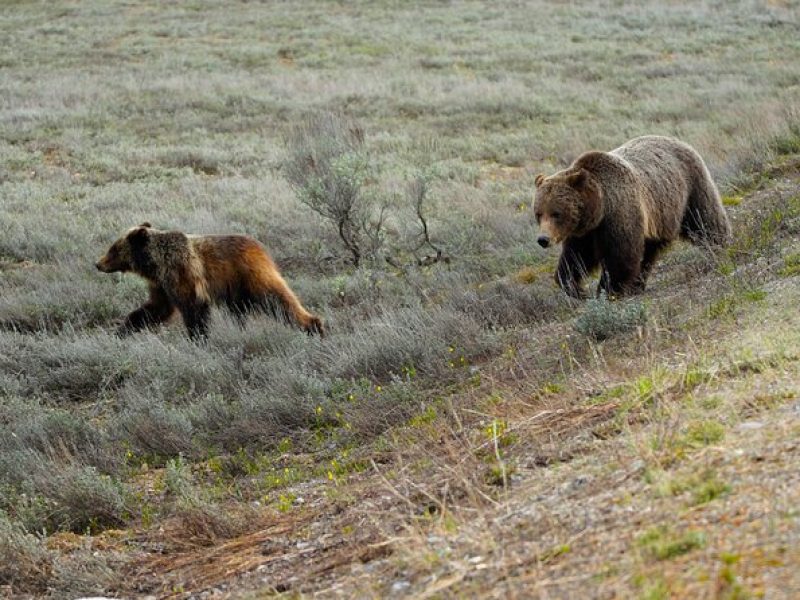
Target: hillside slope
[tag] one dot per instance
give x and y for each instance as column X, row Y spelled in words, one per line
column 659, row 463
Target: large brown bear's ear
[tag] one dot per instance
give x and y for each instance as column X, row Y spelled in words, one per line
column 146, row 224
column 578, row 179
column 539, row 179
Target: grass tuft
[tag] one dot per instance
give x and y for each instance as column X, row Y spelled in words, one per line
column 661, row 544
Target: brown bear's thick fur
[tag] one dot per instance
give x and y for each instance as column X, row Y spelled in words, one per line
column 617, row 210
column 189, row 273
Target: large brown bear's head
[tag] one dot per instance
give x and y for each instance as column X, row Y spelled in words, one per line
column 568, row 204
column 121, row 255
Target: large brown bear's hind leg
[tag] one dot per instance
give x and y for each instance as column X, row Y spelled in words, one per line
column 157, row 310
column 705, row 221
column 651, row 251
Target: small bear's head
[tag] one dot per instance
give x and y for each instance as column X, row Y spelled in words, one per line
column 121, row 256
column 568, row 204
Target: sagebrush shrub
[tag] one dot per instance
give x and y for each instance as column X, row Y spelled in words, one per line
column 604, row 318
column 25, row 562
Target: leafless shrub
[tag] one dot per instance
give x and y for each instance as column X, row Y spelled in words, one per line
column 417, row 190
column 328, row 167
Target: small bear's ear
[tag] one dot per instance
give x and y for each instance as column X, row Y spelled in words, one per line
column 539, row 179
column 146, row 224
column 138, row 235
column 577, row 180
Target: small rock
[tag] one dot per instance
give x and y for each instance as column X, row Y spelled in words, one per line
column 581, row 480
column 399, row 586
column 750, row 425
column 638, row 465
column 577, row 483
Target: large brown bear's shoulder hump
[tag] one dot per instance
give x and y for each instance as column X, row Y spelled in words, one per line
column 593, row 161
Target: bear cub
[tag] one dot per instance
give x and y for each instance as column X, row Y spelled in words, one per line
column 618, row 210
column 189, row 273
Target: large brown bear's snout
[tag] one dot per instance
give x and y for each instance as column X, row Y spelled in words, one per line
column 543, row 241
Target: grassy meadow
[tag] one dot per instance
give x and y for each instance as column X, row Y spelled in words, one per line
column 383, row 459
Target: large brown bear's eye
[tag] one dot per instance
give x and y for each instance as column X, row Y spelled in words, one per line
column 556, row 215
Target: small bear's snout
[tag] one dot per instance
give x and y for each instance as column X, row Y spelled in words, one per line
column 543, row 241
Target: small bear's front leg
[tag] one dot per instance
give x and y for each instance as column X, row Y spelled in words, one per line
column 157, row 310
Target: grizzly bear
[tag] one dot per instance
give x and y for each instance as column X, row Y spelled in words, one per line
column 617, row 210
column 189, row 273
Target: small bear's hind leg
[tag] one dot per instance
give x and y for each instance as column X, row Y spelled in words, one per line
column 279, row 301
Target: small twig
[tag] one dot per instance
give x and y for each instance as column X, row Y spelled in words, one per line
column 389, row 485
column 498, row 456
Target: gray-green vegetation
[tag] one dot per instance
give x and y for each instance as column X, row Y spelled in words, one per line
column 385, row 153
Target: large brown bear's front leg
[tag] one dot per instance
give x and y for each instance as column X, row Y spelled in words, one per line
column 578, row 259
column 622, row 263
column 157, row 310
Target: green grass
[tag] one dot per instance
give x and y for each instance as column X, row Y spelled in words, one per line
column 791, row 265
column 660, row 543
column 704, row 432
